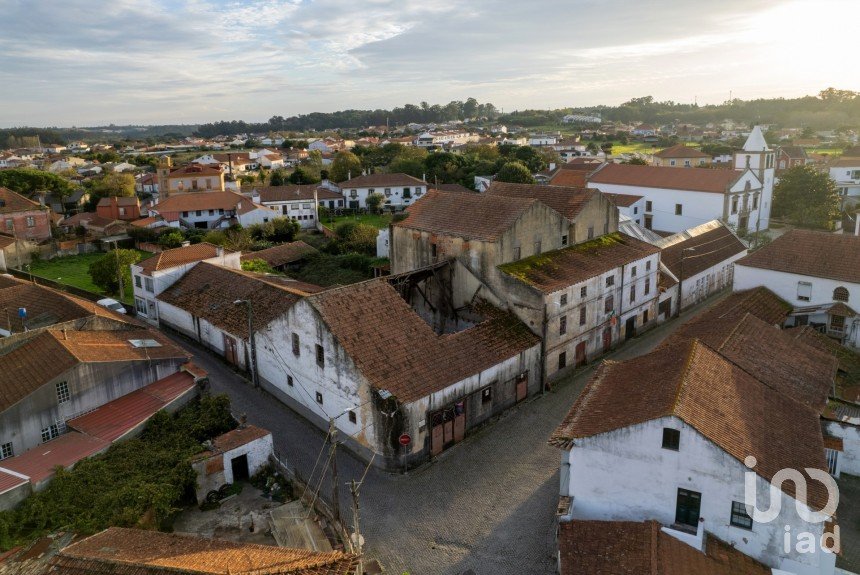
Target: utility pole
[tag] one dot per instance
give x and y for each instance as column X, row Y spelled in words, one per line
column 118, row 270
column 251, row 340
column 335, row 496
column 357, row 546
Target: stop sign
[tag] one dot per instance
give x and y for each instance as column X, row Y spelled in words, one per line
column 405, row 439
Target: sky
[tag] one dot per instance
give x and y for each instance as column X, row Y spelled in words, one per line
column 89, row 62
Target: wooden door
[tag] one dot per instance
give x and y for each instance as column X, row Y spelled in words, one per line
column 579, row 354
column 522, row 387
column 229, row 349
column 459, row 427
column 448, row 431
column 607, row 339
column 437, row 443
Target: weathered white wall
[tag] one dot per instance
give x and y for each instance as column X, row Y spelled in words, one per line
column 849, row 459
column 627, row 475
column 698, row 207
column 709, row 281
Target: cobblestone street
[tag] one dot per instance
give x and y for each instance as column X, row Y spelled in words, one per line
column 487, row 505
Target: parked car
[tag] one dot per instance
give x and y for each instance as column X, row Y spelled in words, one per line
column 112, row 305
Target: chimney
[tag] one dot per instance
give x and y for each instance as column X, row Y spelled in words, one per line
column 185, row 244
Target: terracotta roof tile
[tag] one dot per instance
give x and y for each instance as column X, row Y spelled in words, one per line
column 567, row 201
column 195, row 170
column 115, row 345
column 558, row 269
column 11, row 202
column 715, row 244
column 295, row 192
column 120, row 201
column 693, row 179
column 414, row 361
column 453, row 188
column 808, row 253
column 118, row 551
column 632, row 548
column 282, row 254
column 200, row 201
column 681, row 151
column 181, row 256
column 196, row 293
column 382, row 180
column 87, row 219
column 569, row 178
column 40, row 463
column 44, row 307
column 233, row 439
column 474, row 216
column 624, row 200
column 727, row 405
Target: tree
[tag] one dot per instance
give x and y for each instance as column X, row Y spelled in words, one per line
column 277, row 178
column 113, row 184
column 606, row 147
column 806, row 197
column 28, row 180
column 409, row 160
column 345, row 165
column 304, row 175
column 515, row 172
column 529, row 156
column 104, row 271
column 635, row 161
column 171, row 240
column 374, row 202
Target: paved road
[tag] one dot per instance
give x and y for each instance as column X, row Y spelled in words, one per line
column 487, row 505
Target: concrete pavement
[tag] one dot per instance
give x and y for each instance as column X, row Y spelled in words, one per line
column 487, row 505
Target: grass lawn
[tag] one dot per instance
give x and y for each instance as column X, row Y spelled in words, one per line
column 641, row 147
column 828, row 151
column 74, row 271
column 379, row 221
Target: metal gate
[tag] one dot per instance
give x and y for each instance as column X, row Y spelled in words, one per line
column 448, row 427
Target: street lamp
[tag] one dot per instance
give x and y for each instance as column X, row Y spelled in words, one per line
column 254, row 378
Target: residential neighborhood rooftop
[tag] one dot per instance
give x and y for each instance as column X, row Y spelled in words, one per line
column 567, row 201
column 294, row 192
column 697, row 249
column 809, row 253
column 381, row 180
column 180, row 256
column 11, row 202
column 281, row 254
column 693, row 179
column 681, row 151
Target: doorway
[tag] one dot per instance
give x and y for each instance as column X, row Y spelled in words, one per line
column 688, row 508
column 630, row 327
column 607, row 339
column 229, row 349
column 239, row 466
column 579, row 354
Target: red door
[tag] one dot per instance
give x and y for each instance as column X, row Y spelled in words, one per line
column 437, row 444
column 522, row 387
column 229, row 349
column 579, row 353
column 607, row 339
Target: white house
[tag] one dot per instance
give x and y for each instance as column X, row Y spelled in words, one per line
column 630, row 206
column 672, row 436
column 702, row 259
column 298, row 203
column 539, row 140
column 846, row 173
column 157, row 273
column 233, row 456
column 841, row 422
column 398, row 190
column 817, row 273
column 211, row 210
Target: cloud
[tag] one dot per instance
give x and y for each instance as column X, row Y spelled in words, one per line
column 144, row 61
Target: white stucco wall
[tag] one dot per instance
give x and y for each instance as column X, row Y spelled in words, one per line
column 698, row 207
column 627, row 475
column 849, row 459
column 709, row 281
column 394, row 199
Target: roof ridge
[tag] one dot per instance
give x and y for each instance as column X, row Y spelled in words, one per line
column 688, row 364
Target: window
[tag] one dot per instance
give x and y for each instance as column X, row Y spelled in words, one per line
column 562, row 325
column 387, row 195
column 562, row 360
column 537, row 247
column 6, row 451
column 671, row 162
column 50, row 432
column 644, row 317
column 140, row 305
column 686, row 163
column 433, row 252
column 679, row 209
column 688, row 507
column 837, row 323
column 137, row 281
column 563, row 240
column 352, row 417
column 648, row 206
column 740, row 517
column 562, row 300
column 319, row 398
column 755, row 201
column 353, row 194
column 290, row 381
column 211, row 212
column 487, row 395
column 320, row 356
column 31, row 222
column 407, row 193
column 840, row 294
column 735, row 205
column 635, row 210
column 582, row 315
column 583, row 291
column 671, row 438
column 590, row 232
column 647, row 286
column 632, row 293
column 804, row 291
column 608, row 304
column 633, row 271
column 516, row 253
column 610, row 281
column 63, row 394
column 10, row 224
column 296, row 351
column 147, row 282
column 648, row 266
column 198, row 213
column 294, row 207
column 221, row 212
column 122, row 211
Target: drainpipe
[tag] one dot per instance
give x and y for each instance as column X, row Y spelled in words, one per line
column 543, row 349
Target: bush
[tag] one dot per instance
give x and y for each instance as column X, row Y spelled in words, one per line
column 171, row 240
column 104, row 271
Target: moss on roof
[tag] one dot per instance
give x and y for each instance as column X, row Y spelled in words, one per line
column 520, row 269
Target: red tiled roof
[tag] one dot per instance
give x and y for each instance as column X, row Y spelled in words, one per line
column 570, row 178
column 192, row 201
column 727, row 405
column 382, row 180
column 9, row 481
column 709, row 248
column 181, row 256
column 119, row 551
column 414, row 361
column 567, row 201
column 120, row 201
column 681, row 151
column 116, row 418
column 630, row 548
column 269, row 194
column 195, row 170
column 209, row 291
column 39, row 463
column 233, row 439
column 759, row 302
column 6, row 241
column 87, row 219
column 558, row 269
column 282, row 254
column 143, row 222
column 624, row 200
column 808, row 253
column 693, row 179
column 471, row 216
column 44, row 306
column 11, row 202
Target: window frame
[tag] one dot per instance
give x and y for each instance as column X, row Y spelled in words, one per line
column 320, row 356
column 740, row 517
column 7, row 450
column 64, row 395
column 671, row 439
